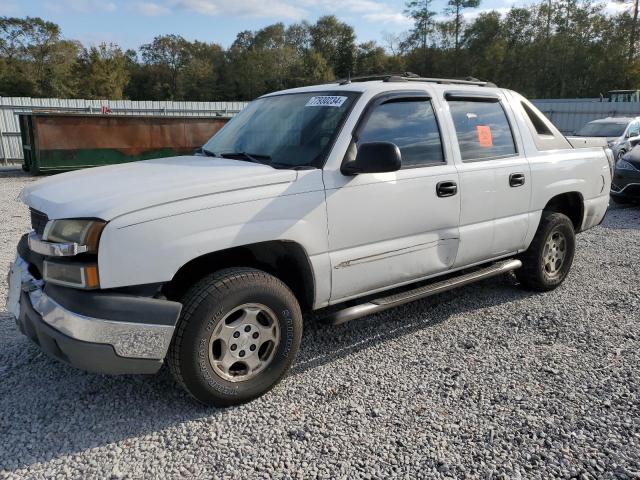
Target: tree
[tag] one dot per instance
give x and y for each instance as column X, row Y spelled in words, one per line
column 169, row 54
column 102, row 72
column 555, row 48
column 633, row 29
column 371, row 59
column 484, row 37
column 456, row 8
column 201, row 75
column 14, row 79
column 336, row 42
column 423, row 23
column 298, row 37
column 633, row 32
column 36, row 61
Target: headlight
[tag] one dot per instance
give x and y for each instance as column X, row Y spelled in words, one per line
column 624, row 165
column 82, row 232
column 72, row 274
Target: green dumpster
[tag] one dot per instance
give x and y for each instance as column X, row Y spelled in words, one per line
column 57, row 142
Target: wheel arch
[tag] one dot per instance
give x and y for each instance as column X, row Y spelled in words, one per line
column 284, row 259
column 570, row 204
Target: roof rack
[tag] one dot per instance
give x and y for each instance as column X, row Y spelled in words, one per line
column 412, row 77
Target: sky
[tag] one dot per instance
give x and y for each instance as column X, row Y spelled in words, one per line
column 131, row 23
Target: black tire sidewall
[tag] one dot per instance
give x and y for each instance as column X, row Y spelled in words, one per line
column 198, row 375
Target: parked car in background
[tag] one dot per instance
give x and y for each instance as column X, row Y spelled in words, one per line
column 620, row 133
column 338, row 198
column 625, row 186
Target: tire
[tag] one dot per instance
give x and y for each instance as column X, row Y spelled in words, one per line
column 545, row 267
column 234, row 307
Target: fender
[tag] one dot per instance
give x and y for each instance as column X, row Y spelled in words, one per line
column 135, row 252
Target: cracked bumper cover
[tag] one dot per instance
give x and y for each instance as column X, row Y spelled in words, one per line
column 95, row 331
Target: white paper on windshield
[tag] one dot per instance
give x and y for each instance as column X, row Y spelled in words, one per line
column 325, row 101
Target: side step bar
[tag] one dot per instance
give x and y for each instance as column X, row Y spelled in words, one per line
column 380, row 304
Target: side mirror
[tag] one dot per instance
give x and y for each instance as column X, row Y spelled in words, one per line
column 374, row 157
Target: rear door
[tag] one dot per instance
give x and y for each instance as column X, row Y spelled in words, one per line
column 391, row 228
column 495, row 178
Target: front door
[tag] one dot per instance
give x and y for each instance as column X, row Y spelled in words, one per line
column 391, row 228
column 495, row 179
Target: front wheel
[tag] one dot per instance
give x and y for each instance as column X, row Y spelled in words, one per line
column 548, row 260
column 238, row 334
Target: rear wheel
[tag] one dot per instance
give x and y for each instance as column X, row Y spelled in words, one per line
column 237, row 336
column 548, row 260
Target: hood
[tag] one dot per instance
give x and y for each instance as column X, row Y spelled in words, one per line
column 108, row 192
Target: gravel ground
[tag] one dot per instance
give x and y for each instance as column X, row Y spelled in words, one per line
column 488, row 381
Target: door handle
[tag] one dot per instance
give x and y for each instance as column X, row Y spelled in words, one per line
column 516, row 179
column 446, row 189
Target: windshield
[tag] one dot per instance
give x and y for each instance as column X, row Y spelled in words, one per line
column 602, row 129
column 284, row 131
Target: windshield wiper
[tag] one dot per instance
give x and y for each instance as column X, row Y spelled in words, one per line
column 251, row 157
column 259, row 158
column 208, row 153
column 288, row 166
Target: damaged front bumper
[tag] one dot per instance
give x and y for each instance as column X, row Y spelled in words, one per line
column 97, row 331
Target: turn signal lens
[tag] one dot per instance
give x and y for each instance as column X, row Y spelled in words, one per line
column 76, row 275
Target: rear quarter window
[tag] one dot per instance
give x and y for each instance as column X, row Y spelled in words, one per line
column 545, row 136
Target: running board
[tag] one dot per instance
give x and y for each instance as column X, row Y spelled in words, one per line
column 384, row 303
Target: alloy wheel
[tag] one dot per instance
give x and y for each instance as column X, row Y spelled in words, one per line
column 244, row 342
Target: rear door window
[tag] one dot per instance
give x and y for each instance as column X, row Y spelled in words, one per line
column 482, row 129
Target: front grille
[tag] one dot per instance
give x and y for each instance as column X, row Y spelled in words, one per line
column 38, row 221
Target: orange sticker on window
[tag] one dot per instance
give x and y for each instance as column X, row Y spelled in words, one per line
column 484, row 136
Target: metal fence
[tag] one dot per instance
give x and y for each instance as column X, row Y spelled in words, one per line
column 10, row 141
column 570, row 115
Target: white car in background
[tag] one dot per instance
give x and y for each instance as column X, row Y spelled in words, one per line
column 620, row 133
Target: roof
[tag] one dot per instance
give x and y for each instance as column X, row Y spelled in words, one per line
column 384, row 83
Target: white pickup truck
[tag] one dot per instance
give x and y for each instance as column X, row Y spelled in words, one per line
column 348, row 198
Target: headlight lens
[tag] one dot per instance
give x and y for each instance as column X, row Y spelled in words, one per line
column 624, row 165
column 71, row 274
column 82, row 232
